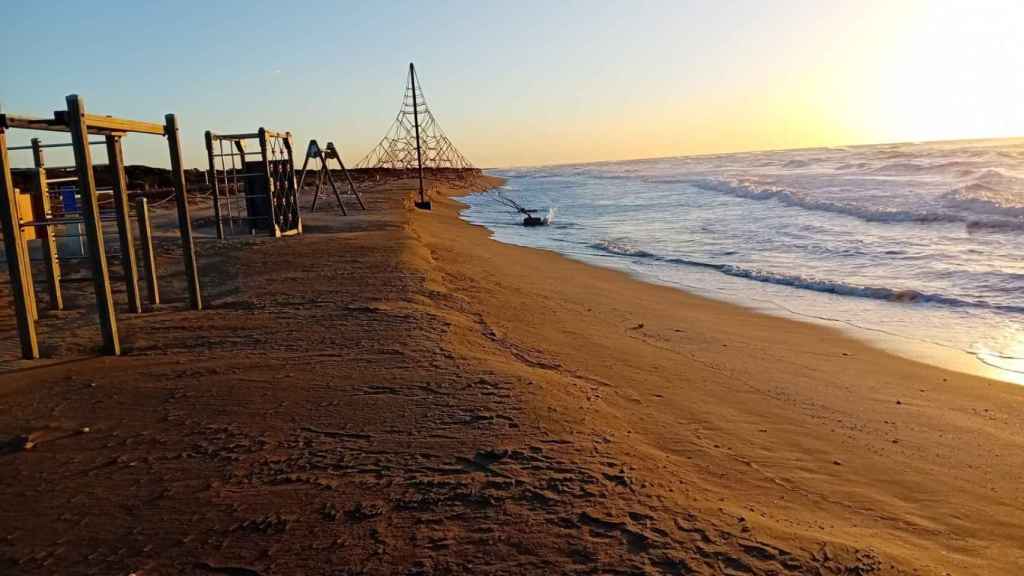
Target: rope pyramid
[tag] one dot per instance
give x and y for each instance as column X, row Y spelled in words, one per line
column 397, row 150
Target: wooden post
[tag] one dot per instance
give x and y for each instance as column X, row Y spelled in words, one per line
column 115, row 157
column 20, row 281
column 93, row 226
column 271, row 188
column 216, row 187
column 148, row 256
column 27, row 267
column 41, row 200
column 184, row 222
column 292, row 195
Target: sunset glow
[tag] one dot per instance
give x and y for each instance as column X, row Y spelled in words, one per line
column 577, row 82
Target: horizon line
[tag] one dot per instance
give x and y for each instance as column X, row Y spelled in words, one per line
column 755, row 150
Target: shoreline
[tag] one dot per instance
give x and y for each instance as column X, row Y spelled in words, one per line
column 912, row 348
column 839, row 397
column 399, row 393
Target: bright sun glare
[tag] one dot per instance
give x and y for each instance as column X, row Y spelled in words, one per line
column 954, row 72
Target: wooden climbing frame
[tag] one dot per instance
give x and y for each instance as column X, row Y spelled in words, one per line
column 254, row 190
column 17, row 229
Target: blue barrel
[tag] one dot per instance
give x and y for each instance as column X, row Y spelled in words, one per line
column 69, row 199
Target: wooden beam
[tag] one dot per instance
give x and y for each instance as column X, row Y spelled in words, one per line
column 59, row 123
column 41, row 198
column 115, row 158
column 24, row 208
column 184, row 221
column 20, row 283
column 148, row 255
column 249, row 135
column 294, row 214
column 93, row 226
column 123, row 125
column 216, row 186
column 30, row 123
column 243, row 136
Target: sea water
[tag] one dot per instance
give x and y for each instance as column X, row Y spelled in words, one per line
column 921, row 244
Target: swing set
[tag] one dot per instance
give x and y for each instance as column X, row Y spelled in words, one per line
column 324, row 155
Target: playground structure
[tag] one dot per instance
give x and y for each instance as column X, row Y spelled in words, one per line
column 253, row 190
column 416, row 141
column 415, row 138
column 323, row 156
column 23, row 219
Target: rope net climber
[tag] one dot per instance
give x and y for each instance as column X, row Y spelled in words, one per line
column 397, row 150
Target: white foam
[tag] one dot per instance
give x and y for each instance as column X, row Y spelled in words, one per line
column 919, row 240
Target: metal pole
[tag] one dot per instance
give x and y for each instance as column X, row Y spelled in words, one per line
column 148, row 256
column 319, row 187
column 325, row 168
column 416, row 122
column 216, row 188
column 20, row 282
column 46, row 233
column 302, row 175
column 351, row 185
column 93, row 226
column 235, row 192
column 184, row 221
column 115, row 158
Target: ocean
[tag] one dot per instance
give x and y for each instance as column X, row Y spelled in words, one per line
column 918, row 244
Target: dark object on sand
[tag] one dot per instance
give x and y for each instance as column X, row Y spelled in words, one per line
column 530, row 219
column 423, row 205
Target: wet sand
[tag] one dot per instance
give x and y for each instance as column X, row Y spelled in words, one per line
column 395, row 393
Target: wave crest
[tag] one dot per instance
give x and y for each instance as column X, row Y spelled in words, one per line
column 755, row 191
column 992, row 201
column 620, row 247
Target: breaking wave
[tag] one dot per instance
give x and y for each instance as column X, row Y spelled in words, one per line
column 993, row 200
column 805, row 282
column 935, row 228
column 755, row 191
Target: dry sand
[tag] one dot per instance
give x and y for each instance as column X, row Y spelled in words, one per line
column 394, row 393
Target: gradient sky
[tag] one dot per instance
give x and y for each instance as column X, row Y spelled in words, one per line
column 531, row 82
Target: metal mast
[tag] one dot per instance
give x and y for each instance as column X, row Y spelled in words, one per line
column 416, row 122
column 415, row 140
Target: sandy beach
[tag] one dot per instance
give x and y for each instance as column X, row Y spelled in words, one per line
column 401, row 394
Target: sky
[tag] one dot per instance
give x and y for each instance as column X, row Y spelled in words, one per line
column 529, row 83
